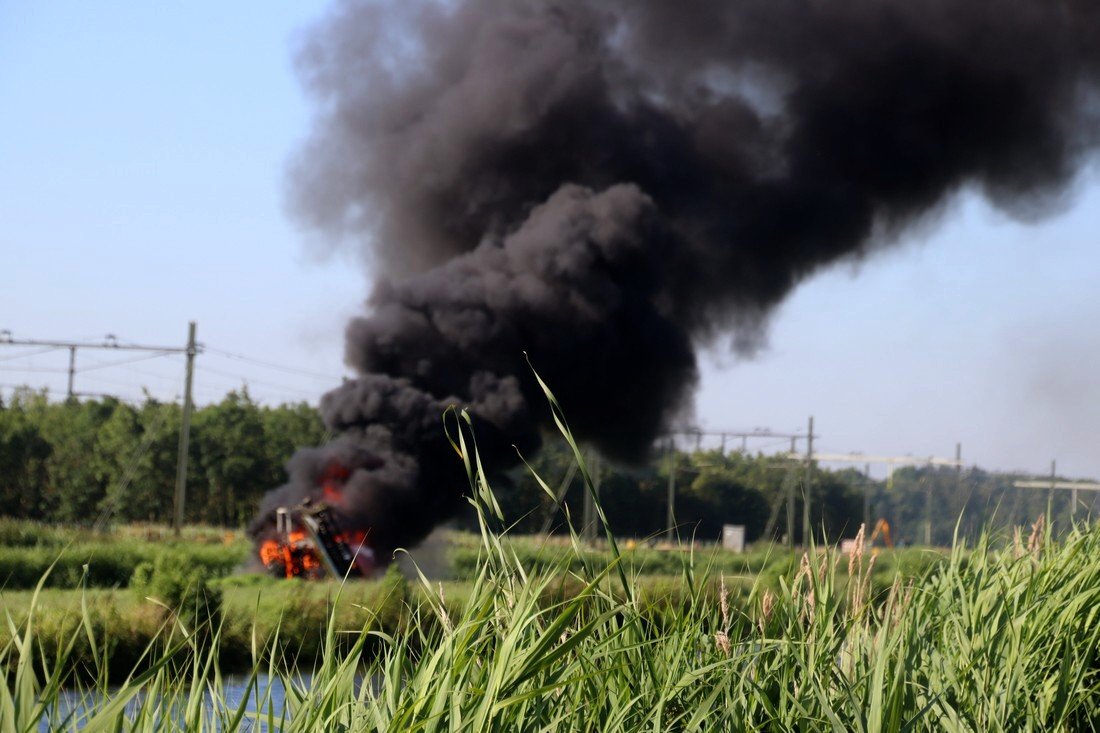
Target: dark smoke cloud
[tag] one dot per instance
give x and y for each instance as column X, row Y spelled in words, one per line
column 609, row 185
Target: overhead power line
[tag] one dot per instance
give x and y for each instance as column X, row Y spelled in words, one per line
column 35, row 370
column 262, row 382
column 29, row 354
column 1053, row 483
column 110, row 342
column 107, row 365
column 1072, row 485
column 152, row 375
column 272, row 365
column 890, row 461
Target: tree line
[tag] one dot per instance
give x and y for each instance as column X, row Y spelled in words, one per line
column 103, row 459
column 713, row 488
column 78, row 461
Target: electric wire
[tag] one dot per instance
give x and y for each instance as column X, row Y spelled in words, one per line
column 28, row 354
column 282, row 390
column 251, row 380
column 163, row 377
column 131, row 360
column 35, row 370
column 108, row 380
column 271, row 365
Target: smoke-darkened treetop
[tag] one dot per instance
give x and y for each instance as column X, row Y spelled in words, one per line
column 608, row 185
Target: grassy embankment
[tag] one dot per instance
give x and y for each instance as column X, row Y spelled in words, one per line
column 88, row 578
column 77, row 556
column 998, row 638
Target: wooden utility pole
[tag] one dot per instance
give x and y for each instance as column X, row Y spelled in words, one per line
column 72, row 370
column 867, row 497
column 1072, row 506
column 185, row 432
column 790, row 494
column 791, row 479
column 927, row 510
column 1053, row 479
column 808, row 489
column 958, row 467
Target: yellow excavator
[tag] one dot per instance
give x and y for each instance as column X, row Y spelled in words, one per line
column 882, row 527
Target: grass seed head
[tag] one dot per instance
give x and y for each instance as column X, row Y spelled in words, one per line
column 723, row 641
column 723, row 602
column 855, row 558
column 1035, row 541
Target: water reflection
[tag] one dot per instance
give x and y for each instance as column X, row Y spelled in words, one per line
column 265, row 705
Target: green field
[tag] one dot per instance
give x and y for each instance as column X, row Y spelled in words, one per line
column 88, row 575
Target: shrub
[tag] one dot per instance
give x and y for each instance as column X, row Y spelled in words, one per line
column 180, row 588
column 21, row 533
column 109, row 563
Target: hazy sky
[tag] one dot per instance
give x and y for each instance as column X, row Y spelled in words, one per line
column 142, row 157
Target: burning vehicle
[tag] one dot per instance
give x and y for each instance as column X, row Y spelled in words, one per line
column 309, row 543
column 307, row 532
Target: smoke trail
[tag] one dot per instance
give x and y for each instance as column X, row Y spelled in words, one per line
column 609, row 185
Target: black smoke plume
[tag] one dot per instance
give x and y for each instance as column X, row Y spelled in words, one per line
column 607, row 185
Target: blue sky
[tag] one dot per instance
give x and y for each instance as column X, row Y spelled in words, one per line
column 142, row 157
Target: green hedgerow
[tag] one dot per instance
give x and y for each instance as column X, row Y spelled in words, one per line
column 180, row 588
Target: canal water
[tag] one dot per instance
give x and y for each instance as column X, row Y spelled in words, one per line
column 267, row 698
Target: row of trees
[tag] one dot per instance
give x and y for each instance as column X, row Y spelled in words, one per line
column 713, row 488
column 966, row 503
column 79, row 461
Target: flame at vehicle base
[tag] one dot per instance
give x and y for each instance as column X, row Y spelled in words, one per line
column 309, row 541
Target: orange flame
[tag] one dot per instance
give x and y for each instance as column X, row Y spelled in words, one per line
column 295, row 557
column 332, row 481
column 270, row 553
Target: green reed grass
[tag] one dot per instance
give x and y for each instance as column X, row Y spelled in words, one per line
column 994, row 638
